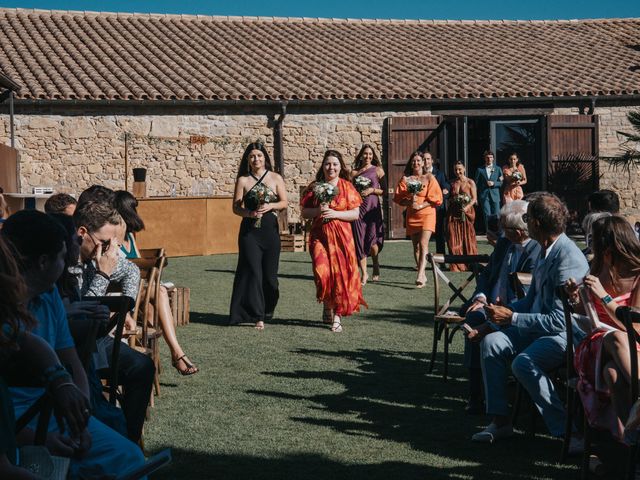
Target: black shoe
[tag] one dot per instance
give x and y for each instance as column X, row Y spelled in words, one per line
column 474, row 407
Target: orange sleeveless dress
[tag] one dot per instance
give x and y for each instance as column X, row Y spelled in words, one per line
column 424, row 219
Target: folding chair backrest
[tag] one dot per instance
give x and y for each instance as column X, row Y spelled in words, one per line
column 520, row 280
column 148, row 288
column 151, row 252
column 568, row 311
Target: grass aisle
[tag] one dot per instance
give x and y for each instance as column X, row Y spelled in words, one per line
column 299, row 402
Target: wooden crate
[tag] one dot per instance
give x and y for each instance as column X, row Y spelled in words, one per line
column 292, row 242
column 179, row 299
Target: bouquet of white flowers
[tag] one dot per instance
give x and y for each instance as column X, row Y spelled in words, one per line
column 516, row 176
column 362, row 183
column 259, row 195
column 324, row 192
column 462, row 200
column 414, row 186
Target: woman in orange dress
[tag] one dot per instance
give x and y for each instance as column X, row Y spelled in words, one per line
column 333, row 251
column 421, row 209
column 512, row 184
column 460, row 216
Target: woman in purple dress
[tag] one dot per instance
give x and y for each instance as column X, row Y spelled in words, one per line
column 368, row 230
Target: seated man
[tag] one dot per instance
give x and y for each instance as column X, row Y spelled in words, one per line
column 515, row 252
column 534, row 341
column 40, row 242
column 101, row 263
column 61, row 203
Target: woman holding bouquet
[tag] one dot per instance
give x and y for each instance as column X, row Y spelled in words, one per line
column 514, row 177
column 461, row 215
column 420, row 192
column 333, row 202
column 259, row 194
column 368, row 229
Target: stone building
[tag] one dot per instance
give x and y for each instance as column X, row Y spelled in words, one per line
column 181, row 95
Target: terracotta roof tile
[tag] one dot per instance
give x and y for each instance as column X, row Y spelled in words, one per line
column 116, row 56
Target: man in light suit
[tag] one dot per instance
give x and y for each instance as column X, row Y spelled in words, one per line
column 440, row 210
column 515, row 252
column 534, row 341
column 488, row 182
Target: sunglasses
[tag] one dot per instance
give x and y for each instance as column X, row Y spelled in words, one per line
column 104, row 243
column 525, row 217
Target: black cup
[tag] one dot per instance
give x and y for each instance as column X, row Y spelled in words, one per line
column 139, row 174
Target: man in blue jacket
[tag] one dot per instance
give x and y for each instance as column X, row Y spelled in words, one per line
column 534, row 342
column 440, row 210
column 514, row 252
column 488, row 182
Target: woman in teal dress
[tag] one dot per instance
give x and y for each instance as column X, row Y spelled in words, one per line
column 126, row 204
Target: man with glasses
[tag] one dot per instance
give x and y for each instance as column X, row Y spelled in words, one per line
column 514, row 252
column 534, row 340
column 101, row 264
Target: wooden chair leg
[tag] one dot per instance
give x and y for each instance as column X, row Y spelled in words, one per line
column 568, row 426
column 584, row 473
column 517, row 404
column 434, row 348
column 446, row 352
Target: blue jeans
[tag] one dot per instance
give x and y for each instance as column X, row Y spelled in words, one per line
column 531, row 359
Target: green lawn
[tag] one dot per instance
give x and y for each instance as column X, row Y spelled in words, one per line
column 297, row 401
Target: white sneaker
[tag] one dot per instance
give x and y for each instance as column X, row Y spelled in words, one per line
column 493, row 433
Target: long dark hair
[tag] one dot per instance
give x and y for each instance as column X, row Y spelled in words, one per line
column 408, row 169
column 68, row 286
column 13, row 311
column 126, row 205
column 616, row 235
column 244, row 168
column 343, row 169
column 357, row 163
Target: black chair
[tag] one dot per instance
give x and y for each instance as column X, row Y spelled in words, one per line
column 571, row 377
column 442, row 322
column 119, row 305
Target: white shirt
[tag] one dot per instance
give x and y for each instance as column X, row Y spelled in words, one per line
column 489, row 169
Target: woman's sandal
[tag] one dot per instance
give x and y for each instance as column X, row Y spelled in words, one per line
column 190, row 370
column 336, row 326
column 327, row 316
column 259, row 325
column 376, row 274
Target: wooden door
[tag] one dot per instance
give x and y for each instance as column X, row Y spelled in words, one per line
column 405, row 136
column 9, row 169
column 572, row 161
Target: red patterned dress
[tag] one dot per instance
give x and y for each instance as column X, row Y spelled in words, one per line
column 333, row 252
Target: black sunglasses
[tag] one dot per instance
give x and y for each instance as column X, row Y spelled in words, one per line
column 525, row 217
column 104, row 243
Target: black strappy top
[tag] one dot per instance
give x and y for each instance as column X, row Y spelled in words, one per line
column 249, row 201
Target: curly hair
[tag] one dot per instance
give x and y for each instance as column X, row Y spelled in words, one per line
column 14, row 315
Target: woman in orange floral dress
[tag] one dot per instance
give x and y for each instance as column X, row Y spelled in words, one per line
column 513, row 186
column 460, row 217
column 421, row 210
column 333, row 251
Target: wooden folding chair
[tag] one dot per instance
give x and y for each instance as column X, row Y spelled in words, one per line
column 443, row 321
column 146, row 337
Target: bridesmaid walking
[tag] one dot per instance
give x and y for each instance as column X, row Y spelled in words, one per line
column 461, row 215
column 421, row 209
column 514, row 177
column 368, row 229
column 333, row 252
column 259, row 194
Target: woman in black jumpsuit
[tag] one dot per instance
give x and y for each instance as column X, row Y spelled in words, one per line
column 259, row 194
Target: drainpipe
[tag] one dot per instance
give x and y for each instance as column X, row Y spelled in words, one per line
column 11, row 126
column 278, row 153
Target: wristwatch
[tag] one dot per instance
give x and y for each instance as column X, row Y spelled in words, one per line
column 606, row 299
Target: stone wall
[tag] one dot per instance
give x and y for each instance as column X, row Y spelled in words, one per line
column 199, row 154
column 196, row 154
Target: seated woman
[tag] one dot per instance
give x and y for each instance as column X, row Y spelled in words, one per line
column 126, row 204
column 14, row 340
column 602, row 359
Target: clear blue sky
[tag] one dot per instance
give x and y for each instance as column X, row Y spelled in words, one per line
column 426, row 9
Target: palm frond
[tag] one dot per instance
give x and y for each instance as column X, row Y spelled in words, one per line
column 629, row 147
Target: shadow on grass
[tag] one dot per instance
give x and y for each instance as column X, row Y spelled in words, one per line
column 223, row 321
column 388, row 396
column 196, row 465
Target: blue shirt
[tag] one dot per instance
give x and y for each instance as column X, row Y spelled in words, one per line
column 53, row 327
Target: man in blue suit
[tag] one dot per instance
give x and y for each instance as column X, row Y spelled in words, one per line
column 441, row 210
column 515, row 252
column 534, row 342
column 488, row 182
